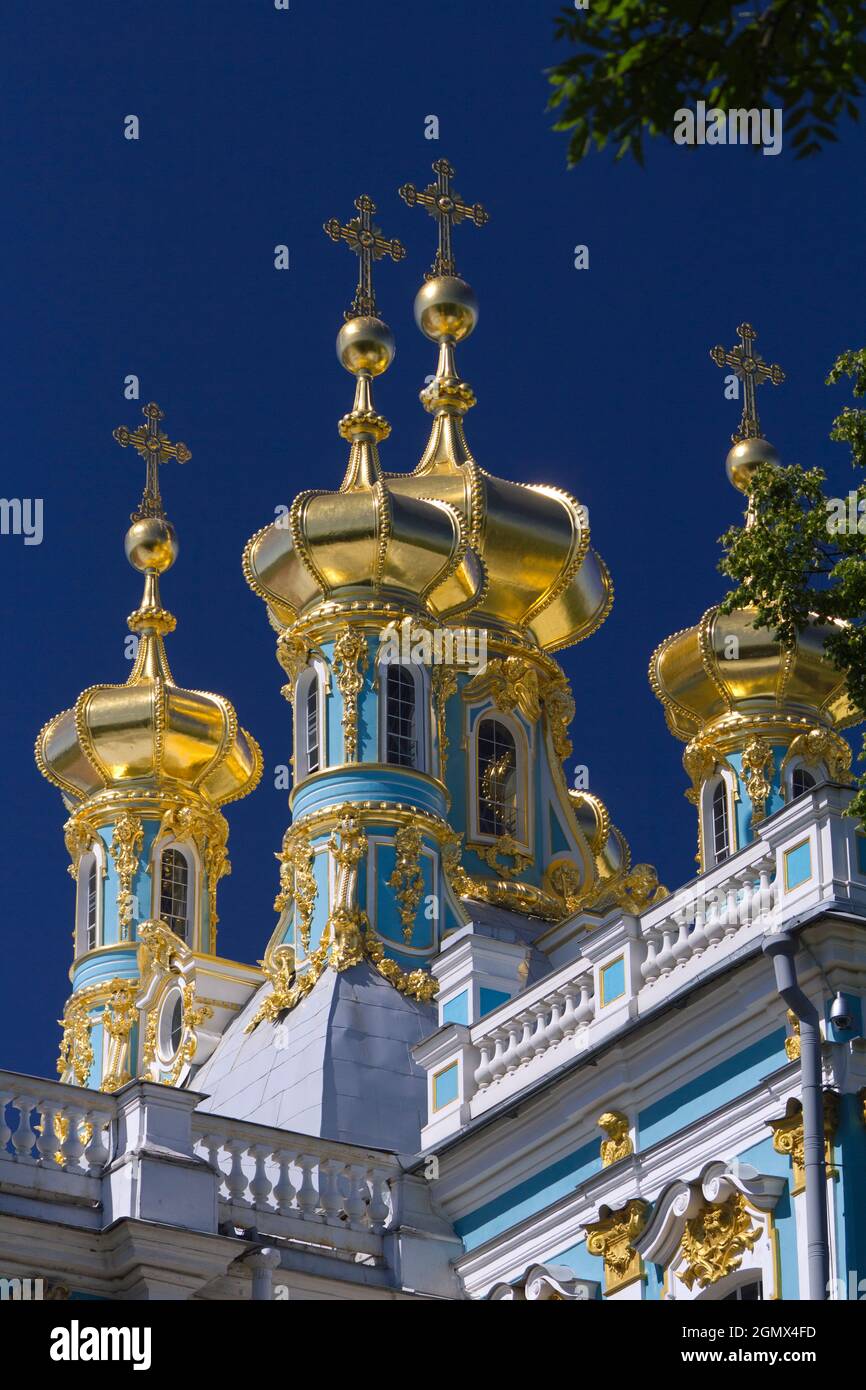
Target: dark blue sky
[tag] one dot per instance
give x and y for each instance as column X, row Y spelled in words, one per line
column 155, row 257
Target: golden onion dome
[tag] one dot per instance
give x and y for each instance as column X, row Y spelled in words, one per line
column 725, row 679
column 543, row 579
column 366, row 541
column 149, row 735
column 724, row 675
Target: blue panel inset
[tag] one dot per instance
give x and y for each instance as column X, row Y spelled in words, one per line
column 727, row 1081
column 490, row 999
column 798, row 865
column 528, row 1197
column 445, row 1087
column 612, row 981
column 861, row 854
column 457, row 1009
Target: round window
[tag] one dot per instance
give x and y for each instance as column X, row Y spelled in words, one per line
column 171, row 1025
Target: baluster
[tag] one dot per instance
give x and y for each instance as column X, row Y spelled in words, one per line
column 666, row 961
column 5, row 1131
column 650, row 967
column 732, row 911
column 330, row 1196
column 510, row 1058
column 96, row 1151
column 483, row 1072
column 569, row 1021
column 46, row 1140
column 699, row 935
column 236, row 1178
column 765, row 895
column 73, row 1145
column 497, row 1066
column 380, row 1209
column 284, row 1188
column 24, row 1138
column 525, row 1044
column 682, row 947
column 358, row 1198
column 260, row 1187
column 308, row 1197
column 212, row 1144
column 746, row 904
column 585, row 1011
column 553, row 1031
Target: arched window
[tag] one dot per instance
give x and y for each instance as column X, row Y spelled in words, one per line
column 309, row 732
column 311, row 727
column 401, row 716
column 497, row 778
column 753, row 1292
column 174, row 891
column 91, row 905
column 721, row 834
column 802, row 780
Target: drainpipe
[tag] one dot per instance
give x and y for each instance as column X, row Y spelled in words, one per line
column 782, row 948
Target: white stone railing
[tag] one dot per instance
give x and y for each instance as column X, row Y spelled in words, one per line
column 280, row 1182
column 531, row 1034
column 49, row 1124
column 533, row 1027
column 711, row 911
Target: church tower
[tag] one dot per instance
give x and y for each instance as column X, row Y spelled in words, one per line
column 144, row 769
column 760, row 722
column 417, row 614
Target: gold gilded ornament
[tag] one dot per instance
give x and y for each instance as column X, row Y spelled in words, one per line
column 368, row 245
column 155, row 447
column 444, row 683
column 792, row 1042
column 757, row 763
column 298, row 881
column 350, row 663
column 505, row 847
column 78, row 836
column 407, row 880
column 752, row 371
column 612, row 1238
column 618, row 1143
column 118, row 1016
column 76, row 1051
column 126, row 845
column 448, row 208
column 715, row 1240
column 788, row 1135
column 821, row 746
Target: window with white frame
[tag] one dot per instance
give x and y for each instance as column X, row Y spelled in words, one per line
column 174, row 892
column 802, row 781
column 401, row 727
column 88, row 905
column 309, row 731
column 496, row 767
column 720, row 829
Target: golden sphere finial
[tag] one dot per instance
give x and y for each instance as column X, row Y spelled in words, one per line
column 366, row 345
column 151, row 545
column 446, row 307
column 745, row 457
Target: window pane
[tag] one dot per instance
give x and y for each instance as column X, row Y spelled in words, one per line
column 721, row 839
column 92, row 890
column 312, row 727
column 802, row 781
column 174, row 890
column 401, row 746
column 497, row 779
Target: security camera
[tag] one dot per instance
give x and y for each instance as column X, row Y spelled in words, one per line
column 842, row 1013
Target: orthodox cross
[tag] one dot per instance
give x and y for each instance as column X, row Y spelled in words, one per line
column 448, row 208
column 752, row 371
column 156, row 448
column 369, row 245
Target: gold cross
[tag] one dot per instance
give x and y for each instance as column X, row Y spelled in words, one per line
column 368, row 244
column 752, row 371
column 448, row 208
column 156, row 448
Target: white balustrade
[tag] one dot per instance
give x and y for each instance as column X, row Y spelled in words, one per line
column 269, row 1173
column 532, row 1031
column 55, row 1126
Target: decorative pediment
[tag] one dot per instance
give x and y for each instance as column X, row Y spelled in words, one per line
column 546, row 1284
column 702, row 1230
